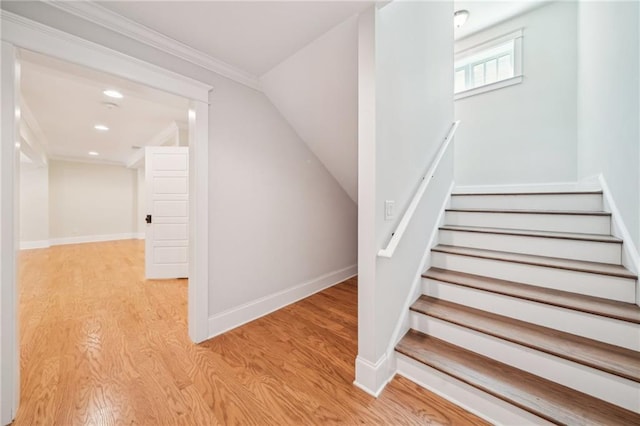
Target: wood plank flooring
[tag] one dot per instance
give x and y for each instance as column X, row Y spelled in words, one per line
column 99, row 345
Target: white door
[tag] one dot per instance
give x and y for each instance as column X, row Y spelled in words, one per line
column 167, row 229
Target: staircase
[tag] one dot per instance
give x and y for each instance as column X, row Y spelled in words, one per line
column 527, row 315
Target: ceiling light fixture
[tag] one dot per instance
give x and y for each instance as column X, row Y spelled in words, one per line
column 113, row 94
column 93, row 153
column 460, row 17
column 101, row 127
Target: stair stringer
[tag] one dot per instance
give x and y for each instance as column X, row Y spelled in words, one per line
column 630, row 256
column 404, row 322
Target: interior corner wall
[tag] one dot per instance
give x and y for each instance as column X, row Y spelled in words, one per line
column 281, row 220
column 90, row 200
column 280, row 225
column 525, row 133
column 34, row 205
column 609, row 102
column 414, row 112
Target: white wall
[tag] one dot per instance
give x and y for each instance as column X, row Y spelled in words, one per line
column 90, row 200
column 278, row 218
column 34, row 205
column 316, row 91
column 524, row 133
column 412, row 97
column 414, row 113
column 608, row 102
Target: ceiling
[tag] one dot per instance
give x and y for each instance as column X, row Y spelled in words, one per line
column 484, row 14
column 67, row 101
column 254, row 36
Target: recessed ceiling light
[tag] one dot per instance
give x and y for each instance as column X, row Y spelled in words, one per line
column 113, row 94
column 101, row 127
column 93, row 153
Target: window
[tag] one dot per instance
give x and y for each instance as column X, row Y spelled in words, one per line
column 489, row 66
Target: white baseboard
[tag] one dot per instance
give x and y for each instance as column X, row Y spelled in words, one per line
column 91, row 239
column 583, row 185
column 29, row 245
column 373, row 377
column 235, row 317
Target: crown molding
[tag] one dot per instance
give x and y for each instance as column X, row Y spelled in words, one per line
column 92, row 12
column 74, row 159
column 38, row 37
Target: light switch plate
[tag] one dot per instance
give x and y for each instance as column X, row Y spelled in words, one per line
column 389, row 209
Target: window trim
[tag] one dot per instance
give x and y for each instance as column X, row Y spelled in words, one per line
column 518, row 76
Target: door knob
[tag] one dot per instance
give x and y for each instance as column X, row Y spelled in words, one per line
column 148, row 218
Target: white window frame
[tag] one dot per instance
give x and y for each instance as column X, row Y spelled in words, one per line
column 518, row 77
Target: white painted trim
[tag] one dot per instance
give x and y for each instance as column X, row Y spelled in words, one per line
column 417, row 197
column 85, row 160
column 91, row 239
column 487, row 44
column 630, row 256
column 489, row 87
column 373, row 378
column 528, row 187
column 106, row 18
column 9, row 231
column 30, row 245
column 198, row 290
column 403, row 323
column 37, row 37
column 255, row 309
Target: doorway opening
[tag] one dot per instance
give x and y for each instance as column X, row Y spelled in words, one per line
column 62, row 47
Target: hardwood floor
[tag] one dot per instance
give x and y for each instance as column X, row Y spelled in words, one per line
column 100, row 345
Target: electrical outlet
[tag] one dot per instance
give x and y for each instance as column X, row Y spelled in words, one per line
column 389, row 209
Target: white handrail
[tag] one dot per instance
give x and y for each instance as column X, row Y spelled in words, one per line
column 402, row 226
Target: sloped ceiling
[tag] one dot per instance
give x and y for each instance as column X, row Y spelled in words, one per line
column 316, row 90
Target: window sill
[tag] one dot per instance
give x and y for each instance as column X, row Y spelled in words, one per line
column 488, row 87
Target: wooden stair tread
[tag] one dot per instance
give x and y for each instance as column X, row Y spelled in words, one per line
column 530, row 211
column 595, row 192
column 593, row 305
column 616, row 360
column 550, row 262
column 529, row 233
column 546, row 399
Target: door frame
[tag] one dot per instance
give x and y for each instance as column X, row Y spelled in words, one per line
column 22, row 33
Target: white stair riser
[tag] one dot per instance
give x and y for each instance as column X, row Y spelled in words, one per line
column 581, row 202
column 585, row 224
column 605, row 286
column 605, row 386
column 492, row 409
column 608, row 330
column 593, row 251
